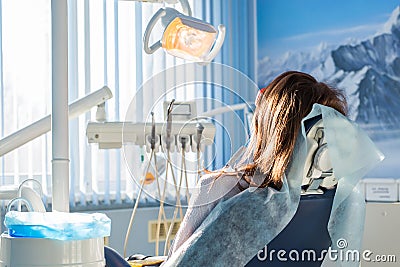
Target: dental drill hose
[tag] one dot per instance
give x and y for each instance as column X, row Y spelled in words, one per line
column 169, row 164
column 161, row 213
column 178, row 202
column 152, row 146
column 183, row 142
column 135, row 207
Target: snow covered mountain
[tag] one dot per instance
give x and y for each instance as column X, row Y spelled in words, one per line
column 305, row 61
column 368, row 71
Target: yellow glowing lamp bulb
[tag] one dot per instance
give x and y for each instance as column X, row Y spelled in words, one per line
column 181, row 40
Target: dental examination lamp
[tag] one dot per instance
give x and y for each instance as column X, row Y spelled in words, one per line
column 184, row 36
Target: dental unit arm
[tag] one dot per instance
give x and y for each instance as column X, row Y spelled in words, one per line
column 109, row 135
column 42, row 126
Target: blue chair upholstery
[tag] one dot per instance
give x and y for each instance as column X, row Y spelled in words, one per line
column 306, row 231
column 114, row 259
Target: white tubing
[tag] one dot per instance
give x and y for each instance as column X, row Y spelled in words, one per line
column 128, row 231
column 178, row 199
column 161, row 211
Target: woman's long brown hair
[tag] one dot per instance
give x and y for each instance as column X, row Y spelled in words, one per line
column 277, row 120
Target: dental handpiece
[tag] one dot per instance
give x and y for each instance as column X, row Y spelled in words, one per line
column 183, row 141
column 169, row 124
column 200, row 129
column 153, row 132
column 199, row 133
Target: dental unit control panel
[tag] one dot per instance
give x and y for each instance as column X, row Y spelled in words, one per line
column 182, row 123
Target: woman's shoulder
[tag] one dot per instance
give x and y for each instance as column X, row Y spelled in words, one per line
column 218, row 185
column 219, row 178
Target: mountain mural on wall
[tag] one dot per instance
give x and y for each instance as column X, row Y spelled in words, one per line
column 367, row 71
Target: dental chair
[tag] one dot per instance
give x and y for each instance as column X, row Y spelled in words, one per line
column 308, row 228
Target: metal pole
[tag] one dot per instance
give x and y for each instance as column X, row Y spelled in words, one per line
column 59, row 118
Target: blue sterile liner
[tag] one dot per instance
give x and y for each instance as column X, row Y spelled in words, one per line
column 57, row 225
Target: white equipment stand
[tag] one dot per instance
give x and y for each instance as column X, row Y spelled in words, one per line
column 24, row 252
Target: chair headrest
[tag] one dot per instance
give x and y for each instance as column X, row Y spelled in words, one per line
column 318, row 171
column 308, row 124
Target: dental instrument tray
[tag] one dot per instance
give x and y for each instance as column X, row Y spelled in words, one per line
column 57, row 225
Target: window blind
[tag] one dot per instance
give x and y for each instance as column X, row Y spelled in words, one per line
column 105, row 48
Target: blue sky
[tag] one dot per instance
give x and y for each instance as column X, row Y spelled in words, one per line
column 291, row 24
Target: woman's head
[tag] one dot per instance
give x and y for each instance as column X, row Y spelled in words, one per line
column 280, row 107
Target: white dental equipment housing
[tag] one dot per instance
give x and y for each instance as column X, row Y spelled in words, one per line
column 184, row 123
column 113, row 134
